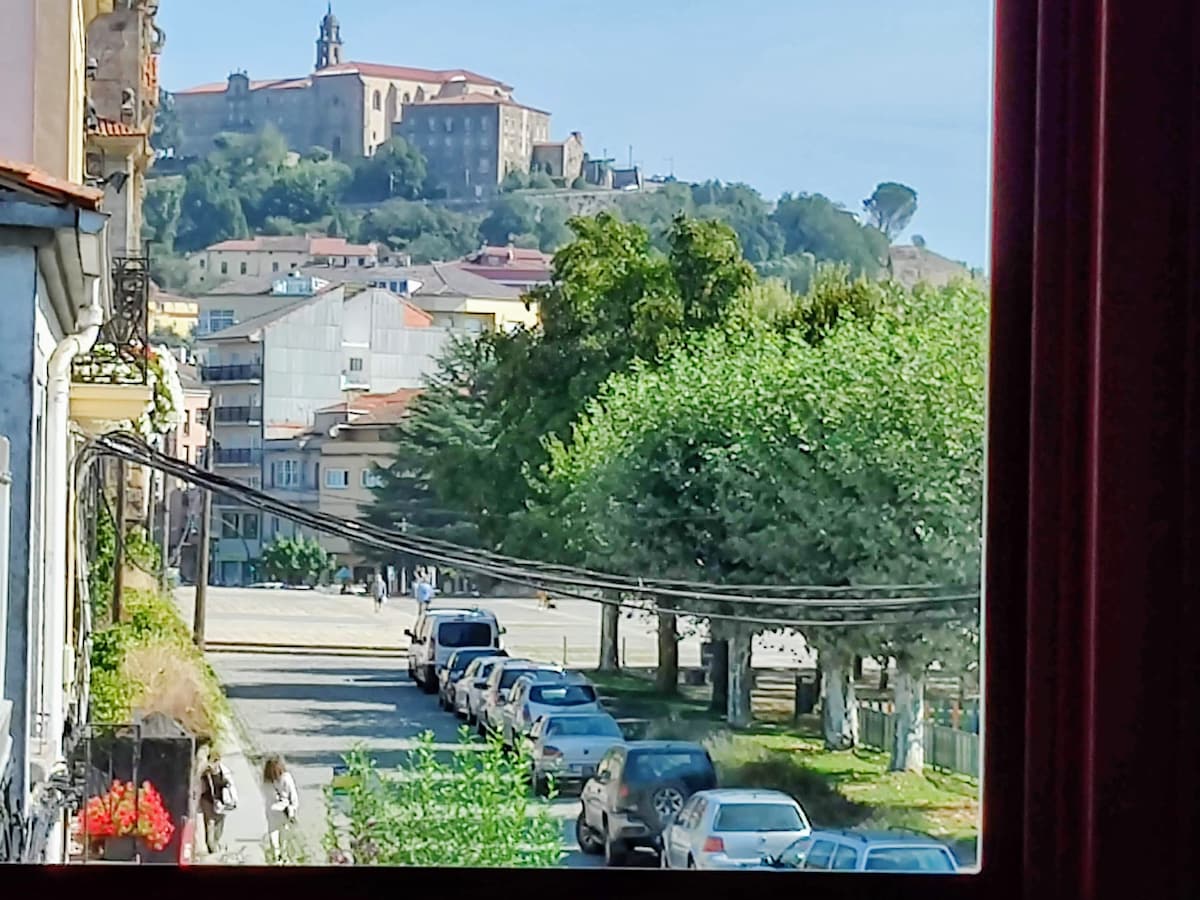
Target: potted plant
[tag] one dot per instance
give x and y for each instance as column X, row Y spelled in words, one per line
column 114, row 822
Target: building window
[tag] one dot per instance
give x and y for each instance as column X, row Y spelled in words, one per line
column 407, row 98
column 274, row 267
column 467, row 123
column 432, row 125
column 483, row 123
column 362, row 260
column 432, row 141
column 245, row 268
column 371, row 479
column 449, row 141
column 356, row 364
column 484, row 166
column 337, row 146
column 378, row 101
column 229, row 526
column 224, row 268
column 287, row 473
column 337, row 479
column 449, row 124
column 187, row 422
column 250, row 520
column 203, row 263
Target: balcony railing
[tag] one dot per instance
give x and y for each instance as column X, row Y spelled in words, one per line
column 237, row 415
column 251, row 372
column 121, row 354
column 238, row 457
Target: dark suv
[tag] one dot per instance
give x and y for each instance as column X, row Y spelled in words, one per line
column 636, row 790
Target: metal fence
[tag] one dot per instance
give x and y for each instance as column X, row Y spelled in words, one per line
column 945, row 748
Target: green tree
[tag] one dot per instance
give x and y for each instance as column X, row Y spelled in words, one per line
column 296, row 561
column 162, row 209
column 167, row 135
column 509, row 217
column 811, row 223
column 541, row 181
column 397, row 169
column 210, row 210
column 307, row 191
column 436, row 481
column 814, row 447
column 514, row 181
column 553, row 231
column 891, row 207
column 400, row 223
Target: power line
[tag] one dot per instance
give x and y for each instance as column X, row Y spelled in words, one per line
column 950, row 607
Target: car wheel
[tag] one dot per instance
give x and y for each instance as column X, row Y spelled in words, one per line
column 589, row 841
column 667, row 801
column 616, row 852
column 541, row 787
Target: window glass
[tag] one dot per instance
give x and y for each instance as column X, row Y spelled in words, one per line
column 758, row 817
column 793, row 856
column 464, row 634
column 845, row 860
column 562, row 694
column 572, row 726
column 818, row 857
column 909, row 859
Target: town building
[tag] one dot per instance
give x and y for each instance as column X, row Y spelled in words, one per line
column 172, row 315
column 517, row 267
column 561, row 160
column 333, row 467
column 471, row 140
column 74, row 363
column 263, row 256
column 250, row 296
column 184, row 503
column 271, row 373
column 457, row 299
column 348, row 107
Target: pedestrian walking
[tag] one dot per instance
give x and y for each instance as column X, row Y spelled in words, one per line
column 282, row 802
column 218, row 797
column 424, row 594
column 379, row 591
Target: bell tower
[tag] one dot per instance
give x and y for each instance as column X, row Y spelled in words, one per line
column 329, row 44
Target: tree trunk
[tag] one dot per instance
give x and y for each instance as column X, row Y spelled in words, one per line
column 719, row 676
column 666, row 680
column 610, row 629
column 741, row 680
column 908, row 753
column 839, row 705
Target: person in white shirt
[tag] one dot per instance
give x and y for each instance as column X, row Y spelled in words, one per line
column 379, row 591
column 282, row 802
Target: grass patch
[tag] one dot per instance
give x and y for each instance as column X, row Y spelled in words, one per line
column 147, row 663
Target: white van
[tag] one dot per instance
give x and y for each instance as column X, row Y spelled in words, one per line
column 439, row 632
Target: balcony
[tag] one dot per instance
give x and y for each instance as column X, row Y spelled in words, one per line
column 121, row 354
column 238, row 457
column 237, row 415
column 225, row 374
column 355, row 381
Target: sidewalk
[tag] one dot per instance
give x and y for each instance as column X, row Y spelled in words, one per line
column 246, row 826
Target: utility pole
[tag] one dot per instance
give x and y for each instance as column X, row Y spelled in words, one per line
column 202, row 549
column 119, row 543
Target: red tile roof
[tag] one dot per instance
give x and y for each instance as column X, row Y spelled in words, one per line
column 410, row 73
column 477, row 100
column 113, row 128
column 376, row 409
column 34, row 180
column 314, row 246
column 268, row 84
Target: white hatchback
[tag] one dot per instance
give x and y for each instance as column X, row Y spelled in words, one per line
column 567, row 747
column 468, row 690
column 732, row 829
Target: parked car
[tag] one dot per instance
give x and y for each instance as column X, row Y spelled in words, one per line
column 865, row 851
column 638, row 788
column 455, row 667
column 568, row 746
column 437, row 633
column 468, row 690
column 540, row 693
column 730, row 829
column 499, row 686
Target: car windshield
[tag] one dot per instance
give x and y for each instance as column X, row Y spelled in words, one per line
column 662, row 765
column 758, row 817
column 464, row 634
column 909, row 859
column 562, row 694
column 464, row 658
column 584, row 726
column 509, row 677
column 485, row 670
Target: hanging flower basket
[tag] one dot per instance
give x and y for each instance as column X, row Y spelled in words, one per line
column 121, row 817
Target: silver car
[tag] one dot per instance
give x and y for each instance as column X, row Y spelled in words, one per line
column 865, row 851
column 468, row 690
column 567, row 747
column 732, row 829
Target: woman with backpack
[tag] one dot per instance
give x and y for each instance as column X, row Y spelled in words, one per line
column 282, row 802
column 218, row 797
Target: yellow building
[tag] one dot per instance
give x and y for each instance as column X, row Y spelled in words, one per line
column 170, row 314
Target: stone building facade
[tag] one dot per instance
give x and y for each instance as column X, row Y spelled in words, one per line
column 348, row 107
column 471, row 140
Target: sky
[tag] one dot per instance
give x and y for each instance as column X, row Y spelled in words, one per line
column 815, row 96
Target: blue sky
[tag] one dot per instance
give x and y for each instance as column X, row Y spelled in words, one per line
column 786, row 95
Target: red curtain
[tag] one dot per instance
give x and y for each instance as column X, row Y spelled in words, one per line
column 1093, row 543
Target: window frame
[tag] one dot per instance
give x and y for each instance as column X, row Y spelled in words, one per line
column 345, row 485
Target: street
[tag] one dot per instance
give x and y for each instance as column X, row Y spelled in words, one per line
column 313, row 709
